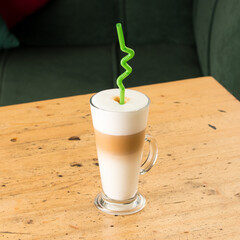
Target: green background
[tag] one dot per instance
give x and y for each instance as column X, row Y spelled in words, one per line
column 71, row 47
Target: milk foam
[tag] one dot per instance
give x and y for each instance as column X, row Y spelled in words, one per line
column 105, row 100
column 112, row 118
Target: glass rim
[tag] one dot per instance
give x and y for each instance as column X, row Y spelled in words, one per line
column 148, row 103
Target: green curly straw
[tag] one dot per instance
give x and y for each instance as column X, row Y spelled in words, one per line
column 123, row 62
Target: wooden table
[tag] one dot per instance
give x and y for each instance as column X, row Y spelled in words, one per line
column 48, row 181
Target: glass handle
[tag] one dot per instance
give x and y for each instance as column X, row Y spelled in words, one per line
column 152, row 155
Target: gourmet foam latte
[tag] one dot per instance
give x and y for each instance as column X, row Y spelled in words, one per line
column 119, row 132
column 119, row 119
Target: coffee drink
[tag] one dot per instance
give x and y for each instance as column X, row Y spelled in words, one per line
column 120, row 133
column 119, row 145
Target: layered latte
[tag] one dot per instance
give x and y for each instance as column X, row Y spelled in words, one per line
column 119, row 132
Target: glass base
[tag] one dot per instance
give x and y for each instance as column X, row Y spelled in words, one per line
column 125, row 207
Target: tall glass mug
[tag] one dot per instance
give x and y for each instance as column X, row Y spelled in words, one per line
column 120, row 135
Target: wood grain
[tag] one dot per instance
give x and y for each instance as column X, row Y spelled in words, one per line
column 49, row 174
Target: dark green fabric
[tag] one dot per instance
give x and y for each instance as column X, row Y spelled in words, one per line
column 32, row 74
column 159, row 21
column 225, row 45
column 161, row 63
column 203, row 12
column 70, row 22
column 2, row 64
column 55, row 59
column 7, row 40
